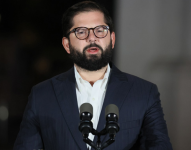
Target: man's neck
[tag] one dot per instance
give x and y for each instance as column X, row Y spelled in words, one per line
column 91, row 76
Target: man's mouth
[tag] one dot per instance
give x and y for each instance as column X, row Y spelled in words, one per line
column 93, row 50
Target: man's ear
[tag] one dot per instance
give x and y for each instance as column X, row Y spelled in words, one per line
column 65, row 43
column 113, row 39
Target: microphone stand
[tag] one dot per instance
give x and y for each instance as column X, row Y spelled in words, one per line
column 99, row 145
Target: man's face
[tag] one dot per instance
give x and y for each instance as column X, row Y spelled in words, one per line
column 91, row 53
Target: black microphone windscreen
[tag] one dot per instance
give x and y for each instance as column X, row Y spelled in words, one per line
column 86, row 107
column 111, row 108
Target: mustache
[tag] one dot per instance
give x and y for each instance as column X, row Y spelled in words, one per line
column 92, row 45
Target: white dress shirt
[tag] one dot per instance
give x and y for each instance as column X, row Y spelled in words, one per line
column 86, row 93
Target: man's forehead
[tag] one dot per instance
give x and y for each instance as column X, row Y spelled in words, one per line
column 88, row 19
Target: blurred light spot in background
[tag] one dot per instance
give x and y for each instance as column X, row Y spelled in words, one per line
column 4, row 113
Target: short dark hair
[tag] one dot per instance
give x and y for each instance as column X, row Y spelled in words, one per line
column 85, row 6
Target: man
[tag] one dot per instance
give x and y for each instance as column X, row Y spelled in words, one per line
column 51, row 117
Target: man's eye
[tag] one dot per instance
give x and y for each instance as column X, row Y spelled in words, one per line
column 100, row 30
column 81, row 32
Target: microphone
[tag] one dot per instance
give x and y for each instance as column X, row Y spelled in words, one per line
column 86, row 126
column 86, row 114
column 112, row 116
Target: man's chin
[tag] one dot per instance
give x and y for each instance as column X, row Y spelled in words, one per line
column 93, row 57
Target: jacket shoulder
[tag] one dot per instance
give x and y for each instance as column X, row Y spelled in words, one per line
column 138, row 79
column 47, row 85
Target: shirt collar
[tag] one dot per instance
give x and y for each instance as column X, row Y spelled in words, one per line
column 79, row 78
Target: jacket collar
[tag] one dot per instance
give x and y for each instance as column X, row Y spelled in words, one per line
column 115, row 75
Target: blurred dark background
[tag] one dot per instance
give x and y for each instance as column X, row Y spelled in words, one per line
column 30, row 51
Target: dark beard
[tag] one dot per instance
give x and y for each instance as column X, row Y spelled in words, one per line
column 93, row 62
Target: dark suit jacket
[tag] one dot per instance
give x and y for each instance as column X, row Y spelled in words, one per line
column 51, row 117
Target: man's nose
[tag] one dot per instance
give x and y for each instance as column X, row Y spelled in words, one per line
column 91, row 37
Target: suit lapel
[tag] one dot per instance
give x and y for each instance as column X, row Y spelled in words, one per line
column 65, row 91
column 117, row 90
